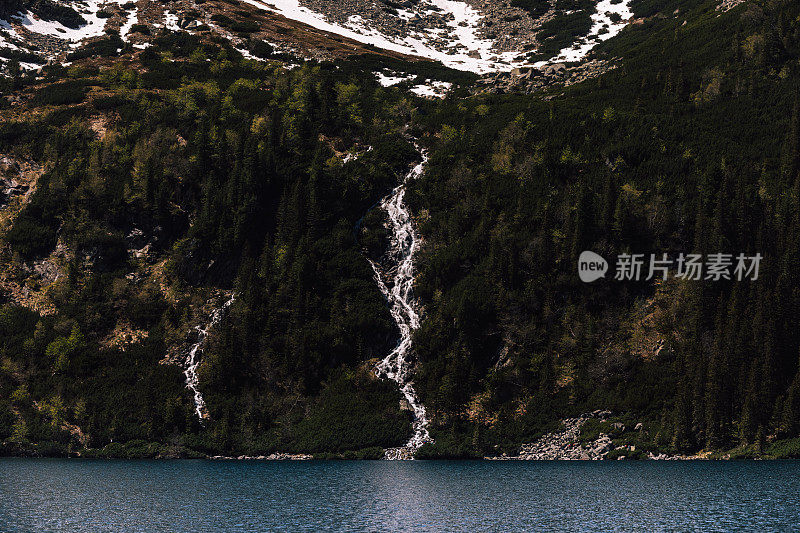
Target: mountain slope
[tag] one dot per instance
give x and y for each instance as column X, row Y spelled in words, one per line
column 472, row 35
column 146, row 183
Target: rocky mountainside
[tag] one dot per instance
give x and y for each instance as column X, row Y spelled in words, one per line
column 472, row 35
column 247, row 228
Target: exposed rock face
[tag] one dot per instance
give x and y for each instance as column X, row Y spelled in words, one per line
column 9, row 188
column 22, row 283
column 726, row 5
column 17, row 179
column 565, row 444
column 511, row 28
column 528, row 80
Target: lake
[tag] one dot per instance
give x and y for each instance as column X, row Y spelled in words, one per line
column 189, row 495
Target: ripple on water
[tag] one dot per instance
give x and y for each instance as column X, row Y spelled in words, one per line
column 98, row 495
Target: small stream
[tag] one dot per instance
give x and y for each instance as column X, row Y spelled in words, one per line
column 193, row 358
column 396, row 285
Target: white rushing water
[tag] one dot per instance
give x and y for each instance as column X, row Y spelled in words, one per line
column 396, row 285
column 193, row 358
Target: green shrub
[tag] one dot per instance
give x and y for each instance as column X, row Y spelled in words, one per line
column 105, row 47
column 20, row 55
column 143, row 29
column 260, row 49
column 50, row 10
column 560, row 32
column 372, row 453
column 134, row 449
column 785, row 449
column 744, row 452
column 536, row 8
column 447, row 446
column 246, row 26
column 7, row 420
column 107, row 245
column 112, row 101
column 221, row 19
column 30, row 237
column 64, row 93
column 355, row 411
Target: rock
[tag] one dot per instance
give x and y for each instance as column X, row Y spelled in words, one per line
column 289, row 457
column 402, row 453
column 8, row 165
column 555, row 68
column 565, row 445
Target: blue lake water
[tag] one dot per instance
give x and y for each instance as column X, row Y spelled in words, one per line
column 99, row 495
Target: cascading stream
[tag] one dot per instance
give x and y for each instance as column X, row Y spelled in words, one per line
column 193, row 358
column 396, row 284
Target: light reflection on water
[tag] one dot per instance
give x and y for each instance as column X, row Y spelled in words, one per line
column 99, row 495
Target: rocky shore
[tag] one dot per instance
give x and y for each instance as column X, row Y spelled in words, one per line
column 566, row 444
column 270, row 457
column 402, row 453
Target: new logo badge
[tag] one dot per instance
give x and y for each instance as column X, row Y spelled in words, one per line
column 591, row 266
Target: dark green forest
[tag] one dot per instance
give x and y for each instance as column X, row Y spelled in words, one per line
column 233, row 173
column 690, row 146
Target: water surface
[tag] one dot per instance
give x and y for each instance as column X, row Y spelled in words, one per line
column 116, row 495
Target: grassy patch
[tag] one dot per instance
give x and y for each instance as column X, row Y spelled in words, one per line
column 785, row 449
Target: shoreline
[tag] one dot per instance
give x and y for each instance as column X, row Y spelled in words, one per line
column 282, row 457
column 592, row 436
column 475, row 459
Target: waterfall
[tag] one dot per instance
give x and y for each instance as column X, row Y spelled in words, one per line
column 396, row 284
column 193, row 358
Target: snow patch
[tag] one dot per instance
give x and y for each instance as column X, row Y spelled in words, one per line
column 432, row 89
column 7, row 32
column 29, row 66
column 247, row 55
column 133, row 18
column 391, row 79
column 7, row 44
column 171, row 21
column 474, row 54
column 93, row 28
column 465, row 49
column 602, row 18
column 429, row 89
